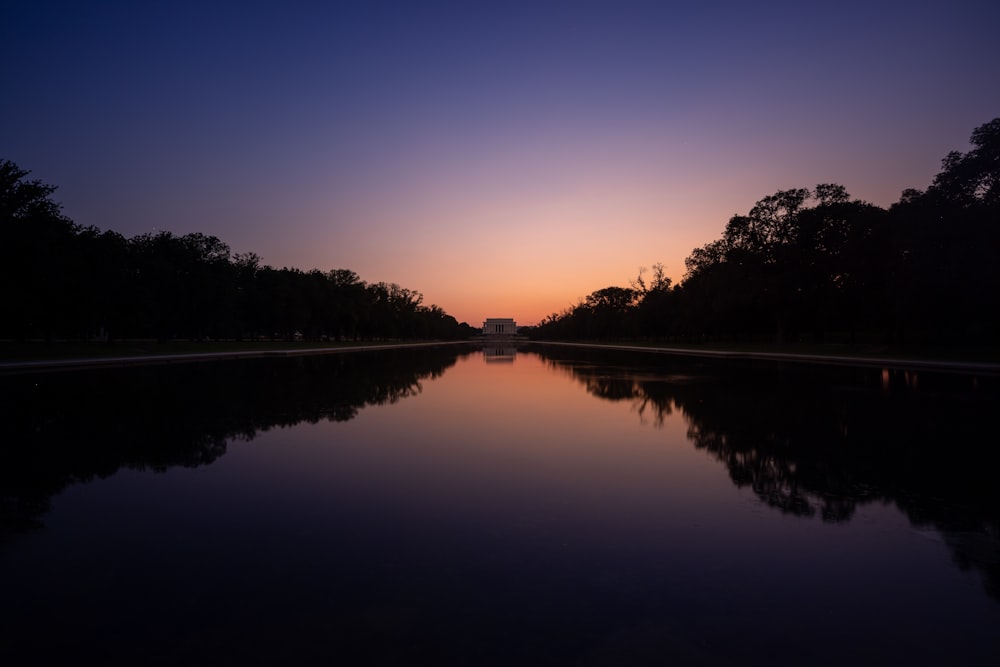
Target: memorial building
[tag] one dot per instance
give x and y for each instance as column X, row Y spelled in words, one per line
column 499, row 326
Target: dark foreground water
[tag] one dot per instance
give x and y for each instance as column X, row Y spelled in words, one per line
column 492, row 507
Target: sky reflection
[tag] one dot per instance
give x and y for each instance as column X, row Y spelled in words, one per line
column 501, row 513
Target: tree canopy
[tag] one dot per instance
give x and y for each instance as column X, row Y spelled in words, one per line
column 63, row 281
column 802, row 264
column 814, row 263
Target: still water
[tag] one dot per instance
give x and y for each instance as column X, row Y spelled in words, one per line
column 458, row 505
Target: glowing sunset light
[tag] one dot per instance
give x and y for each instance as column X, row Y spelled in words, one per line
column 503, row 160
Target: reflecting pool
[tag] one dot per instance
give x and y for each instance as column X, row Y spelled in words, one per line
column 499, row 506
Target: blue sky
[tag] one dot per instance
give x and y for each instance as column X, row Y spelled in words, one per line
column 504, row 159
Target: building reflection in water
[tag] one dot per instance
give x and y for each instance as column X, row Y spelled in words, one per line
column 499, row 353
column 504, row 502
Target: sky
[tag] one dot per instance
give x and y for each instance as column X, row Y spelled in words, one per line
column 505, row 159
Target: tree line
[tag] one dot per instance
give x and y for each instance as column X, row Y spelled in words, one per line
column 64, row 281
column 814, row 264
column 803, row 264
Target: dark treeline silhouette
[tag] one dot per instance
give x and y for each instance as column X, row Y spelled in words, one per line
column 64, row 428
column 822, row 442
column 816, row 265
column 61, row 280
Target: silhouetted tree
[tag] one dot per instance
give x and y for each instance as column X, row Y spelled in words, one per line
column 656, row 309
column 786, row 265
column 38, row 278
column 62, row 280
column 945, row 279
column 348, row 302
column 105, row 284
column 247, row 304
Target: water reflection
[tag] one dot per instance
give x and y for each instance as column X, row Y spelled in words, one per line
column 821, row 442
column 60, row 429
column 499, row 515
column 502, row 354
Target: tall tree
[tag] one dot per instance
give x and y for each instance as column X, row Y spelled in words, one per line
column 972, row 178
column 786, row 264
column 655, row 308
column 945, row 275
column 37, row 280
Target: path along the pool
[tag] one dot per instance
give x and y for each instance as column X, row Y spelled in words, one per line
column 945, row 365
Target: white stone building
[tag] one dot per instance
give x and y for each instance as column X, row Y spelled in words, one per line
column 502, row 326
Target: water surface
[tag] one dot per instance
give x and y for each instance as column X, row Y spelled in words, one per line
column 499, row 506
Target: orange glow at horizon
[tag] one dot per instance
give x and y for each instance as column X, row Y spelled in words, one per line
column 503, row 162
column 530, row 226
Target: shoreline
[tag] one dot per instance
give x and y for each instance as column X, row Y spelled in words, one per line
column 899, row 363
column 942, row 365
column 81, row 363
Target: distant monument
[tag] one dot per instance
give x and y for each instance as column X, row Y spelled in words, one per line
column 499, row 326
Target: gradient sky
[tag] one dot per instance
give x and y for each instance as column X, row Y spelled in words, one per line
column 505, row 159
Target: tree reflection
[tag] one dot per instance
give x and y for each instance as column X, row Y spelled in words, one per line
column 63, row 428
column 820, row 442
